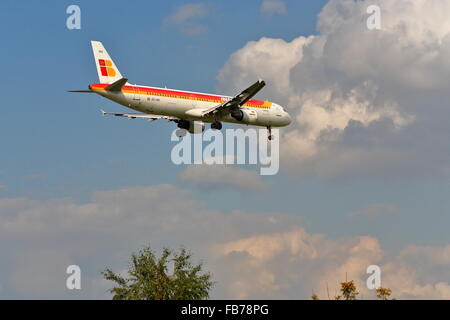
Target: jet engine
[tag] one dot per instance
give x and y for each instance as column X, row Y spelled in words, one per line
column 238, row 114
column 246, row 116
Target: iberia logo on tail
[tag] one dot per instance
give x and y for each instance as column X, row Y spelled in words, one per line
column 106, row 68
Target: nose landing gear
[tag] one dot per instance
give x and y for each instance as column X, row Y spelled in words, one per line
column 270, row 136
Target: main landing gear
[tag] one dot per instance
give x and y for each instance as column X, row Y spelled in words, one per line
column 183, row 126
column 270, row 136
column 217, row 125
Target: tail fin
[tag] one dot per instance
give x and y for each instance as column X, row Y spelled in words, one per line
column 106, row 69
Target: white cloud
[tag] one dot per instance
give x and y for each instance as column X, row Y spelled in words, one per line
column 184, row 18
column 40, row 273
column 365, row 102
column 282, row 56
column 272, row 7
column 217, row 176
column 251, row 255
column 3, row 187
column 187, row 12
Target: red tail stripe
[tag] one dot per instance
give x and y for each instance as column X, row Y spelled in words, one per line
column 174, row 92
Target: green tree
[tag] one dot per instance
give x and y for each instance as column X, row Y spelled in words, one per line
column 348, row 290
column 148, row 279
column 383, row 293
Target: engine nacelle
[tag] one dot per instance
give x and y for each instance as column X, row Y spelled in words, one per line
column 246, row 116
column 192, row 126
column 238, row 114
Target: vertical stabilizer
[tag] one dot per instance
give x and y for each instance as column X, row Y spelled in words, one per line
column 106, row 68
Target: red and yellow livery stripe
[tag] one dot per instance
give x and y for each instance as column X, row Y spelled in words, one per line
column 180, row 95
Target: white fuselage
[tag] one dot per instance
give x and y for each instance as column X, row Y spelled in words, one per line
column 188, row 105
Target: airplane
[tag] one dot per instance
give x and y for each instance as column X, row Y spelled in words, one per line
column 189, row 110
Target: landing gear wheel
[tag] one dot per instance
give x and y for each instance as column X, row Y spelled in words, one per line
column 270, row 136
column 181, row 133
column 216, row 125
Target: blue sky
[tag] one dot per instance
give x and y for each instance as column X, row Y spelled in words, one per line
column 60, row 136
column 56, row 145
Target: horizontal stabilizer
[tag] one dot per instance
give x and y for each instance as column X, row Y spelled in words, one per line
column 117, row 85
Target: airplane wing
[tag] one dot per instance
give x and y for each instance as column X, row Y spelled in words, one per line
column 150, row 117
column 238, row 100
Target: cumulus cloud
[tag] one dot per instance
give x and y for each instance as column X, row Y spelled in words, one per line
column 40, row 268
column 365, row 102
column 252, row 255
column 218, row 176
column 419, row 271
column 184, row 18
column 272, row 7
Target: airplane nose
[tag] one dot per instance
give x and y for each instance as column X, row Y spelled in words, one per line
column 288, row 118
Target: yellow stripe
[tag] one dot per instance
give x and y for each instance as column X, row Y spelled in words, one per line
column 265, row 105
